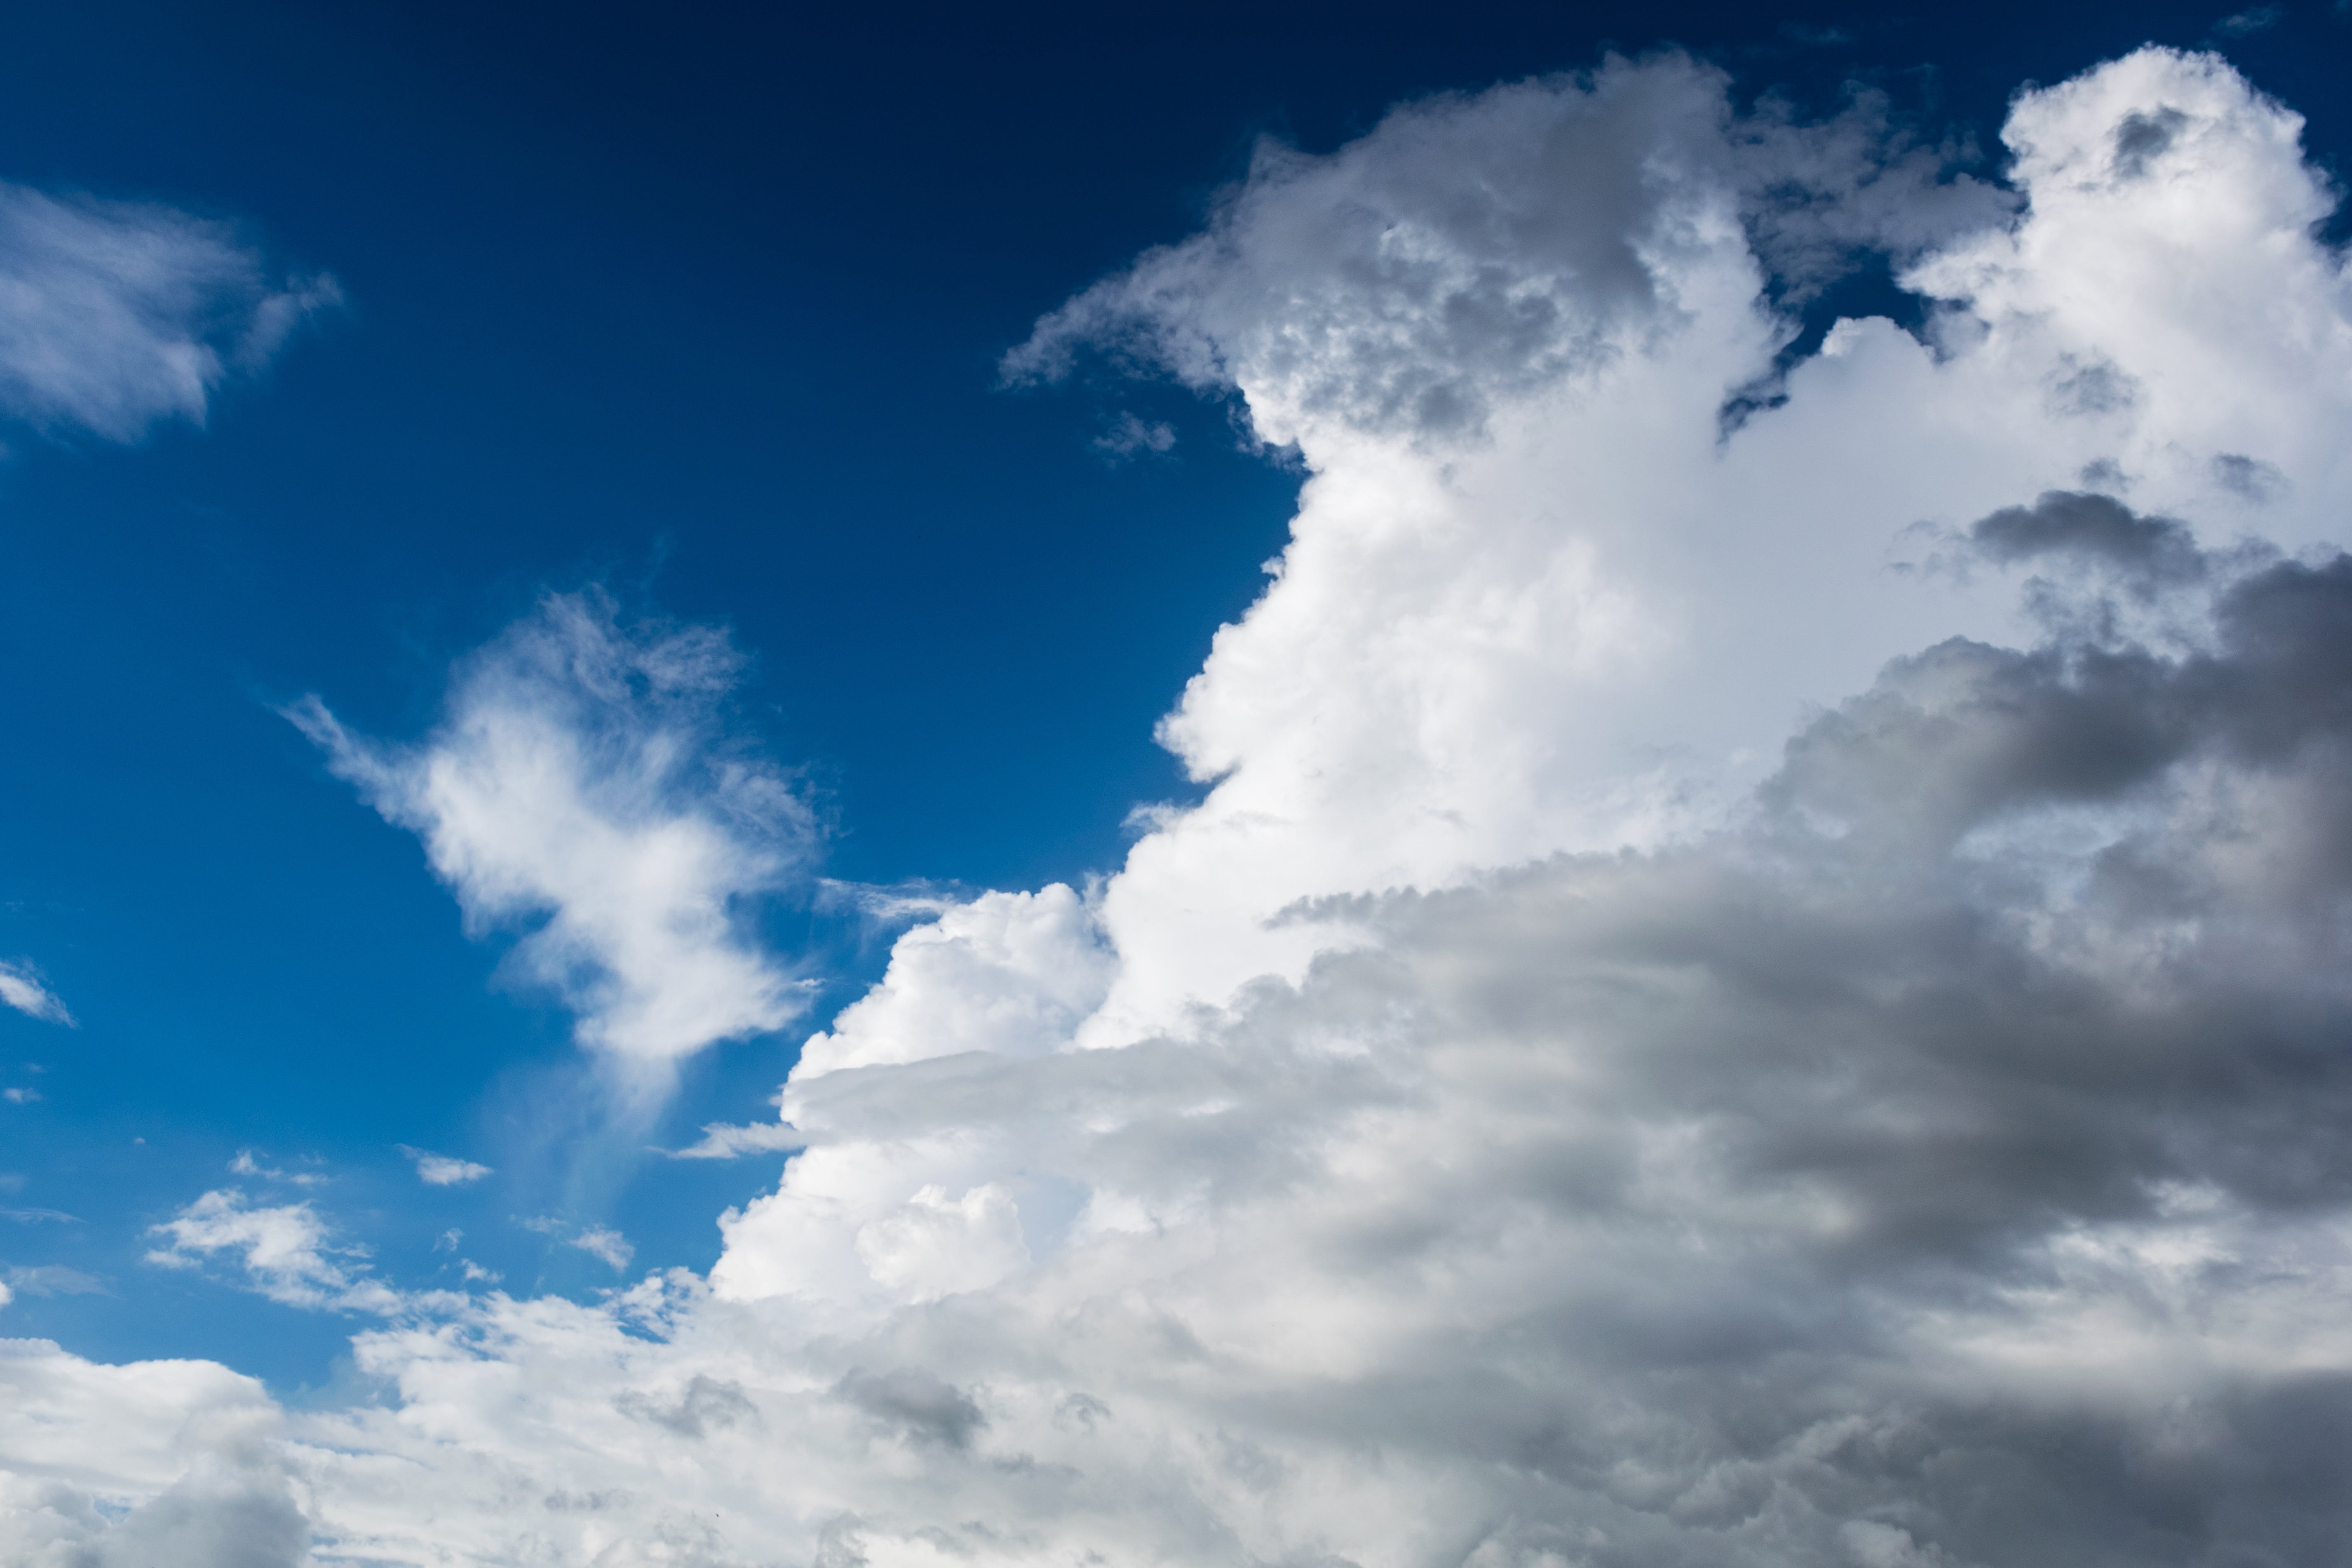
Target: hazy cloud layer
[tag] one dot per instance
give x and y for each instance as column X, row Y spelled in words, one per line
column 116, row 315
column 1757, row 998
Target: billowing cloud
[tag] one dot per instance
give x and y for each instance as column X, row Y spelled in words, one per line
column 117, row 315
column 1745, row 991
column 581, row 786
column 21, row 988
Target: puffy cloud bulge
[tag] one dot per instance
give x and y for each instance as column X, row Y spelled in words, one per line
column 1759, row 979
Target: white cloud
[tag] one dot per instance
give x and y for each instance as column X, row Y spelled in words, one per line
column 580, row 784
column 720, row 1141
column 1130, row 435
column 605, row 1243
column 248, row 1163
column 117, row 315
column 1755, row 998
column 56, row 1280
column 444, row 1170
column 284, row 1250
column 21, row 988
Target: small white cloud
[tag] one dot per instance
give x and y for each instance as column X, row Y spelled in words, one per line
column 583, row 783
column 56, row 1280
column 444, row 1170
column 117, row 315
column 603, row 1241
column 2254, row 19
column 249, row 1164
column 1132, row 436
column 20, row 1096
column 722, row 1140
column 284, row 1250
column 21, row 988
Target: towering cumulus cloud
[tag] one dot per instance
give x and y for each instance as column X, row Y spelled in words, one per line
column 1760, row 980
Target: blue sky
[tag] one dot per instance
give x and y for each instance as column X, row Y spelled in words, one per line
column 706, row 308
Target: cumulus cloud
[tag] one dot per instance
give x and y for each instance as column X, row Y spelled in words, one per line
column 106, row 1466
column 444, row 1170
column 583, row 787
column 1767, row 996
column 21, row 988
column 117, row 315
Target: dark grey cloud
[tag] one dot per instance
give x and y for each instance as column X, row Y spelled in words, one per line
column 703, row 1404
column 2065, row 522
column 915, row 1403
column 1718, row 1165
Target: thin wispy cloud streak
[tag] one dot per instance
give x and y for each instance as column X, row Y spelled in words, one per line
column 117, row 315
column 21, row 988
column 1741, row 992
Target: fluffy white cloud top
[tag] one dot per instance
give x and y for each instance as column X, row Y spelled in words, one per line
column 116, row 315
column 582, row 785
column 1760, row 980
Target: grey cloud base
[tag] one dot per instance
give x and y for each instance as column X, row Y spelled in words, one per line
column 1735, row 1204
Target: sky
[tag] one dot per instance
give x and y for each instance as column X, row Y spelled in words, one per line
column 1292, row 784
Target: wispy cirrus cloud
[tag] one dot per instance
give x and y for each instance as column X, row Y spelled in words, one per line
column 21, row 988
column 115, row 316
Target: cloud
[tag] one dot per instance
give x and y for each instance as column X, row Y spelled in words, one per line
column 1130, row 435
column 2255, row 19
column 286, row 1252
column 21, row 988
column 56, row 1280
column 115, row 316
column 1471, row 250
column 605, row 1243
column 580, row 785
column 720, row 1141
column 118, row 1467
column 248, row 1163
column 444, row 1170
column 1753, row 995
